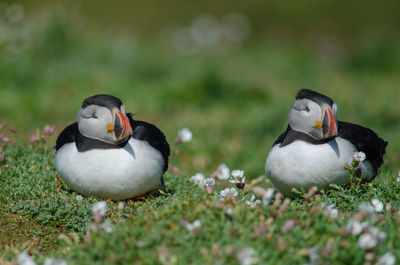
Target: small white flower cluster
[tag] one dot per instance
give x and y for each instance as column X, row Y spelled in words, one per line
column 247, row 256
column 238, row 178
column 331, row 211
column 268, row 195
column 370, row 236
column 194, row 227
column 206, row 183
column 228, row 194
column 398, row 177
column 24, row 259
column 354, row 227
column 223, row 172
column 376, row 206
column 198, row 178
column 184, row 135
column 387, row 259
column 359, row 156
column 99, row 210
column 252, row 202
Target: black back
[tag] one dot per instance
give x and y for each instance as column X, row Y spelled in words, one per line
column 365, row 140
column 150, row 133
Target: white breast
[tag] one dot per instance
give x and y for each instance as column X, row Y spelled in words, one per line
column 116, row 173
column 303, row 165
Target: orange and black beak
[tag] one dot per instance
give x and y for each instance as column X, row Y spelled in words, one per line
column 329, row 125
column 122, row 128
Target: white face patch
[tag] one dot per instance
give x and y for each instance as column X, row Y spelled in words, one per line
column 303, row 117
column 123, row 109
column 93, row 121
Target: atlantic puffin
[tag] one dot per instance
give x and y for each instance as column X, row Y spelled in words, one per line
column 315, row 148
column 108, row 154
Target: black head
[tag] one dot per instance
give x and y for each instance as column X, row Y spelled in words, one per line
column 314, row 96
column 103, row 100
column 103, row 117
column 314, row 114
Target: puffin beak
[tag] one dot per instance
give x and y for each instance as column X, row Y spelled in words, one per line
column 122, row 127
column 329, row 126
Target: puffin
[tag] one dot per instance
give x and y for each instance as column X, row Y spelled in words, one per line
column 108, row 154
column 316, row 147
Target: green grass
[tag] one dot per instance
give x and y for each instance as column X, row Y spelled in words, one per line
column 146, row 230
column 236, row 104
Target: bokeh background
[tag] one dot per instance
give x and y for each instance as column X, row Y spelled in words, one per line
column 227, row 70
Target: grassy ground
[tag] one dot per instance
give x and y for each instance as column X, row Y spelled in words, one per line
column 235, row 99
column 154, row 231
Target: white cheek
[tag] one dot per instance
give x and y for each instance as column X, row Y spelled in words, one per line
column 123, row 109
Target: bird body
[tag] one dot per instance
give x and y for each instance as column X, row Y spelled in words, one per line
column 316, row 147
column 117, row 173
column 116, row 157
column 304, row 165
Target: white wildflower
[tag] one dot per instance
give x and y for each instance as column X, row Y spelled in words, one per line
column 359, row 156
column 371, row 238
column 268, row 196
column 198, row 178
column 252, row 201
column 228, row 193
column 223, row 172
column 354, row 227
column 238, row 178
column 79, row 197
column 24, row 259
column 208, row 184
column 51, row 261
column 377, row 205
column 107, row 226
column 237, row 173
column 99, row 210
column 314, row 255
column 331, row 211
column 208, row 181
column 367, row 208
column 185, row 135
column 387, row 259
column 194, row 227
column 398, row 177
column 246, row 256
column 367, row 241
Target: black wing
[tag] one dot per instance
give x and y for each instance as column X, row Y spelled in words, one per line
column 281, row 138
column 150, row 133
column 365, row 140
column 68, row 135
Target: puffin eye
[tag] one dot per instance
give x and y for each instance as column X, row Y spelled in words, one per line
column 93, row 115
column 307, row 109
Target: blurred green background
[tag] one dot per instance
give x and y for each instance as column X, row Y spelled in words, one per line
column 227, row 70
